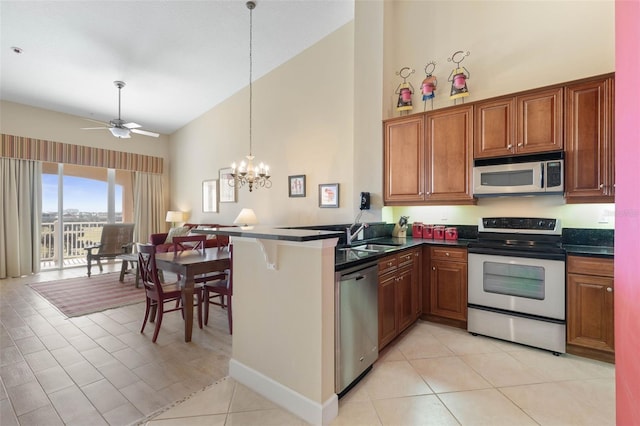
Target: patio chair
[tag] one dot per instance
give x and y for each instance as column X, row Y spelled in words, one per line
column 116, row 239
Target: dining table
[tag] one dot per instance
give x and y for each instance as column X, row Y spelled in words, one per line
column 188, row 264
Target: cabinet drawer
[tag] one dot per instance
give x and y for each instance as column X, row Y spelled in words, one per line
column 387, row 264
column 590, row 266
column 449, row 253
column 405, row 259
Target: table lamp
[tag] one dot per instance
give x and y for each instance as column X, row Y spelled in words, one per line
column 175, row 216
column 246, row 219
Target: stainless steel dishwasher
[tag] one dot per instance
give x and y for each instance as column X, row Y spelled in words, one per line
column 356, row 324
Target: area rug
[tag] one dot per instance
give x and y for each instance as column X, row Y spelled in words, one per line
column 83, row 295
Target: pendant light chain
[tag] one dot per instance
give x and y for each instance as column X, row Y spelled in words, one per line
column 251, row 5
column 247, row 173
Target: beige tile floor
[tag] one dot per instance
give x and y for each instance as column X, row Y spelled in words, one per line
column 98, row 369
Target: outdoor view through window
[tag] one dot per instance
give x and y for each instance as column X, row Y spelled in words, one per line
column 76, row 222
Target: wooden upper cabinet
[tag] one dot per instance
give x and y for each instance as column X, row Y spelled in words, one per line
column 449, row 155
column 539, row 121
column 589, row 142
column 494, row 124
column 404, row 177
column 528, row 123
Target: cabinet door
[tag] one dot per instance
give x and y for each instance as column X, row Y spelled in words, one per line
column 589, row 144
column 404, row 160
column 404, row 294
column 449, row 289
column 450, row 155
column 494, row 126
column 590, row 312
column 387, row 319
column 539, row 121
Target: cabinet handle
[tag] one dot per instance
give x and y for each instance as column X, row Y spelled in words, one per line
column 416, row 254
column 509, row 147
column 433, row 267
column 601, row 186
column 446, row 254
column 520, row 144
column 389, row 263
column 420, row 193
column 609, row 289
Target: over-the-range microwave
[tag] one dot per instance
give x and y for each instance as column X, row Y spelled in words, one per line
column 540, row 174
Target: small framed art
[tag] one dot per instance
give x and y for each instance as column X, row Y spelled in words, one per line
column 298, row 186
column 210, row 196
column 228, row 192
column 329, row 195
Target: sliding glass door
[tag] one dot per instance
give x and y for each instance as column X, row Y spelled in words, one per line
column 76, row 202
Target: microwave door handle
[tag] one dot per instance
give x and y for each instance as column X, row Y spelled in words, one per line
column 541, row 175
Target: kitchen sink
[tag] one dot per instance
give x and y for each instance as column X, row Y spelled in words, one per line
column 376, row 248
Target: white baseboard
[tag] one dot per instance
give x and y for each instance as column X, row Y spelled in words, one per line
column 308, row 410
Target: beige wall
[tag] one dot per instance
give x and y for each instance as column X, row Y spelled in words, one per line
column 514, row 45
column 22, row 120
column 302, row 124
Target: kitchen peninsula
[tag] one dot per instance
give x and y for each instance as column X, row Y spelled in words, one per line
column 283, row 326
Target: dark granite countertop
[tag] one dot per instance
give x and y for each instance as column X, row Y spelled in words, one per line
column 268, row 233
column 346, row 258
column 583, row 250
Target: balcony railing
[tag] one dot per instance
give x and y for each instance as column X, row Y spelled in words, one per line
column 75, row 237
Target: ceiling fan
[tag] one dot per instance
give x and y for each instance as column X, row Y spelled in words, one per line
column 117, row 126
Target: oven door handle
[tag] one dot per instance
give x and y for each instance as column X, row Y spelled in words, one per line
column 517, row 253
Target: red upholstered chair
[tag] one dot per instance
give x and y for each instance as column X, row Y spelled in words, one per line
column 157, row 294
column 220, row 293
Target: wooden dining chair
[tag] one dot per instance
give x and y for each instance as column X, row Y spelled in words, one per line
column 158, row 294
column 189, row 242
column 221, row 289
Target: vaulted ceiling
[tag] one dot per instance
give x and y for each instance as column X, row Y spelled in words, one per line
column 178, row 58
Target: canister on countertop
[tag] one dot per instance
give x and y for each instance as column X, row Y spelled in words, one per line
column 427, row 231
column 438, row 232
column 451, row 233
column 416, row 230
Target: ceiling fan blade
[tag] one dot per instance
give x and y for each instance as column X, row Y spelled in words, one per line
column 131, row 125
column 145, row 132
column 93, row 128
column 97, row 121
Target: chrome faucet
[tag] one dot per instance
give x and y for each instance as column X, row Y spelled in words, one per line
column 351, row 236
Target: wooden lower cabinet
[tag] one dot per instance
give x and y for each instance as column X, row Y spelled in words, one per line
column 590, row 320
column 447, row 286
column 398, row 294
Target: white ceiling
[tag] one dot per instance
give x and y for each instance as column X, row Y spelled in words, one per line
column 178, row 58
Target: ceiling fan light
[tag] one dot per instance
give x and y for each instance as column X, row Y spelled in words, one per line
column 120, row 132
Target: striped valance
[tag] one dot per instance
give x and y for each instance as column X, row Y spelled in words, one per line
column 57, row 152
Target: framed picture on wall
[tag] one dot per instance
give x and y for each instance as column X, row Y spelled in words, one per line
column 298, row 186
column 228, row 192
column 329, row 195
column 210, row 196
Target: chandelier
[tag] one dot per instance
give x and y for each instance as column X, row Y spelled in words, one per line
column 246, row 173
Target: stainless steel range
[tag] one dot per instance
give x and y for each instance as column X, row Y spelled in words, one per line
column 517, row 282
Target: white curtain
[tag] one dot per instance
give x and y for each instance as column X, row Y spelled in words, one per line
column 20, row 202
column 148, row 205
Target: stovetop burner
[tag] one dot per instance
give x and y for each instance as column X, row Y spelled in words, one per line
column 518, row 236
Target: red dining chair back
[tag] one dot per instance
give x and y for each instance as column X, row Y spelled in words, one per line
column 156, row 293
column 222, row 290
